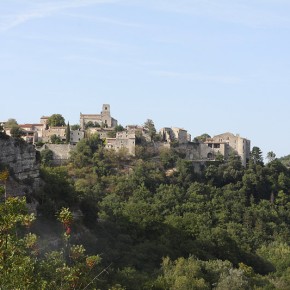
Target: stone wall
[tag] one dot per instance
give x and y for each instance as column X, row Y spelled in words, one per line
column 191, row 151
column 61, row 152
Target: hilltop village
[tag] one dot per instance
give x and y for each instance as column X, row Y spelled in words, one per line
column 157, row 208
column 126, row 138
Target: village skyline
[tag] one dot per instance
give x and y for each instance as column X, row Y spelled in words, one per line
column 206, row 66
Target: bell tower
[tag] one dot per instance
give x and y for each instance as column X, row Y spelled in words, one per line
column 106, row 116
column 106, row 110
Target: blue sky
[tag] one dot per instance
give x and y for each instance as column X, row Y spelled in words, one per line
column 204, row 65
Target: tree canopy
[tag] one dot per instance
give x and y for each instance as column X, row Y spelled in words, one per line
column 154, row 221
column 56, row 120
column 150, row 127
column 11, row 122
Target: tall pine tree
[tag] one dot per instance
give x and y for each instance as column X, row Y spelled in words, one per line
column 67, row 133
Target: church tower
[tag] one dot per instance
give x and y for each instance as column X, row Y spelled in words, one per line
column 106, row 116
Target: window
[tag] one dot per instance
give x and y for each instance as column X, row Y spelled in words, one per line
column 217, row 145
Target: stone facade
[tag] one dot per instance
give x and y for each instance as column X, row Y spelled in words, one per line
column 44, row 121
column 58, row 131
column 223, row 144
column 138, row 131
column 174, row 134
column 61, row 152
column 76, row 136
column 228, row 143
column 103, row 119
column 123, row 140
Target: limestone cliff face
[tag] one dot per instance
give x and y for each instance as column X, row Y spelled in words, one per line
column 21, row 159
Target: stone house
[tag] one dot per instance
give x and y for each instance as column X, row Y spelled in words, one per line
column 76, row 136
column 32, row 132
column 227, row 144
column 58, row 131
column 123, row 139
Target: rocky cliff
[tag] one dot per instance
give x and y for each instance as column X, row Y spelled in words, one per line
column 21, row 160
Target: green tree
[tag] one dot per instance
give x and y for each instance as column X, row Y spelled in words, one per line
column 57, row 191
column 168, row 157
column 17, row 248
column 69, row 268
column 285, row 160
column 54, row 139
column 119, row 128
column 256, row 156
column 46, row 156
column 16, row 131
column 82, row 155
column 67, row 133
column 75, row 127
column 271, row 156
column 182, row 274
column 111, row 134
column 149, row 125
column 202, row 137
column 56, row 120
column 90, row 124
column 10, row 123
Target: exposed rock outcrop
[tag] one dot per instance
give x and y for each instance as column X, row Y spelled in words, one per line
column 23, row 164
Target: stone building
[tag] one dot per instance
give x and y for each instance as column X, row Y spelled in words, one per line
column 76, row 136
column 139, row 131
column 227, row 144
column 58, row 131
column 44, row 121
column 103, row 119
column 174, row 134
column 32, row 132
column 123, row 140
